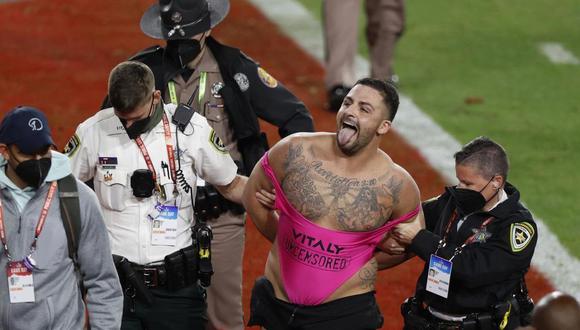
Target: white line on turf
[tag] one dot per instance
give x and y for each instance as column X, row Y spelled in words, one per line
column 433, row 142
column 557, row 53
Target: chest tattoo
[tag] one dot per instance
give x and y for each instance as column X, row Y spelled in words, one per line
column 354, row 204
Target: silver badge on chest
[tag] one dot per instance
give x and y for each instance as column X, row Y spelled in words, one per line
column 242, row 81
column 216, row 88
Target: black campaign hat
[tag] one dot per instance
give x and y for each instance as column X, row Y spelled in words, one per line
column 183, row 19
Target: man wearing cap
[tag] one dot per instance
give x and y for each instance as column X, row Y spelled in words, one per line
column 38, row 282
column 232, row 92
column 145, row 171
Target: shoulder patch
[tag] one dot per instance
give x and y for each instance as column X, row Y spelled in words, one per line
column 521, row 234
column 242, row 81
column 266, row 78
column 72, row 146
column 215, row 141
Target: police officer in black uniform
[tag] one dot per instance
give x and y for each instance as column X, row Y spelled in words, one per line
column 477, row 247
column 232, row 91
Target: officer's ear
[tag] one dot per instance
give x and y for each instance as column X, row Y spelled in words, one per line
column 156, row 97
column 497, row 182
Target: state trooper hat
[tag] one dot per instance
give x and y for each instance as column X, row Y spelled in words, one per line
column 183, row 19
column 27, row 128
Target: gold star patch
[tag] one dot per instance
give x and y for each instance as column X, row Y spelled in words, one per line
column 521, row 235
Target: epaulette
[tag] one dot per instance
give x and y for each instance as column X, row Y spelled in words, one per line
column 244, row 55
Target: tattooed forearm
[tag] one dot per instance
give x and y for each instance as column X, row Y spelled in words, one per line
column 368, row 275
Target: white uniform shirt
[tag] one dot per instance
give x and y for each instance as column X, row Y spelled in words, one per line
column 101, row 149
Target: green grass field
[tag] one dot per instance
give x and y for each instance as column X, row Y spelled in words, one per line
column 488, row 50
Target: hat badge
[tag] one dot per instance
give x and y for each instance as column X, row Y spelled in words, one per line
column 176, row 17
column 35, row 124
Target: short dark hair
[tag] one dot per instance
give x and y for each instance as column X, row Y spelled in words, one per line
column 387, row 90
column 487, row 156
column 130, row 85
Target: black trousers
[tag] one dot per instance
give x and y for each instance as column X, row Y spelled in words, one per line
column 181, row 309
column 359, row 312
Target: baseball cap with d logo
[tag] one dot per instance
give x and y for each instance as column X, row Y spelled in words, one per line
column 27, row 128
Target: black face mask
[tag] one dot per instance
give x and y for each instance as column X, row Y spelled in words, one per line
column 33, row 171
column 467, row 200
column 139, row 126
column 183, row 51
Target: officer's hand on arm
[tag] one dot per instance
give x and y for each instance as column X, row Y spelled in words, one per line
column 233, row 191
column 262, row 214
column 391, row 246
column 405, row 232
column 267, row 198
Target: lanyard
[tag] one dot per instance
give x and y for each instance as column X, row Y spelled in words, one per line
column 469, row 240
column 200, row 96
column 39, row 225
column 169, row 147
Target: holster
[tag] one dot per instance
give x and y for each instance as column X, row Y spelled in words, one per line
column 130, row 280
column 525, row 304
column 413, row 314
column 181, row 268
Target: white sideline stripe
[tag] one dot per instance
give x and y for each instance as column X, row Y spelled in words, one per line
column 419, row 130
column 557, row 53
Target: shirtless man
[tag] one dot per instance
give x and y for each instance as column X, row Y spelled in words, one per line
column 337, row 196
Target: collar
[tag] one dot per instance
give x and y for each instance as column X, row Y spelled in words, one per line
column 207, row 63
column 155, row 117
column 505, row 207
column 502, row 198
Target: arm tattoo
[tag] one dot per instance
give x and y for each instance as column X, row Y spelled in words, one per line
column 368, row 275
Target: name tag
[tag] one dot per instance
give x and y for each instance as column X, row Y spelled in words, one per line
column 439, row 276
column 20, row 283
column 164, row 225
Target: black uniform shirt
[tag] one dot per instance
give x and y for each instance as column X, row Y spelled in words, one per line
column 487, row 271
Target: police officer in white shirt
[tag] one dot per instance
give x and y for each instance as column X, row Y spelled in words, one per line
column 144, row 161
